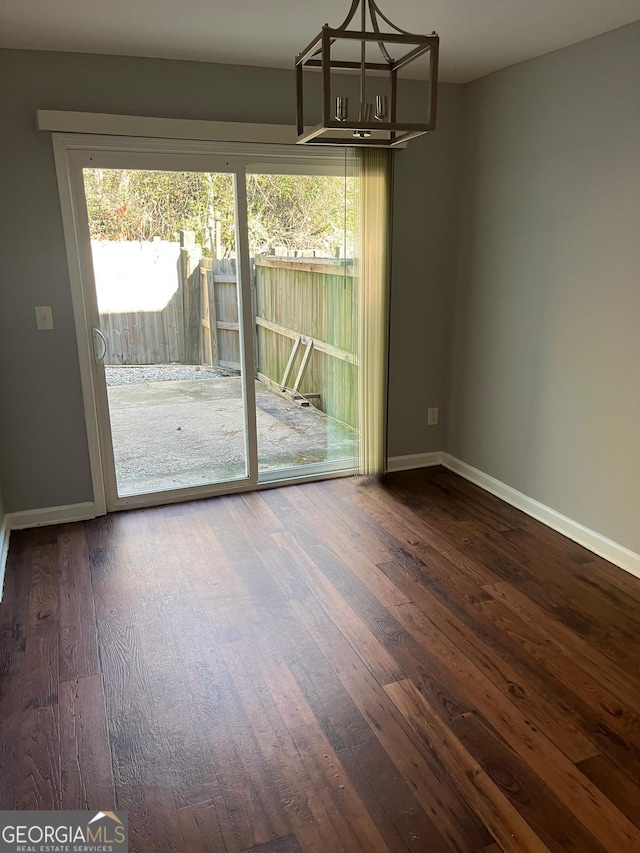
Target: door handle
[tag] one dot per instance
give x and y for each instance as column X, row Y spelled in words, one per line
column 98, row 333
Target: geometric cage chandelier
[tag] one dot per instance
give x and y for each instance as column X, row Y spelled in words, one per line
column 362, row 107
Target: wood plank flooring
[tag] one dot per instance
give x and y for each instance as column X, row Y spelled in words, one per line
column 405, row 664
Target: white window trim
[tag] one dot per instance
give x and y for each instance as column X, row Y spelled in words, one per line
column 62, row 121
column 167, row 128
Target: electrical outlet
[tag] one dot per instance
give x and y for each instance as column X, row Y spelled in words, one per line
column 432, row 417
column 44, row 317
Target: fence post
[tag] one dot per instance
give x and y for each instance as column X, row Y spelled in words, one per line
column 209, row 318
column 190, row 286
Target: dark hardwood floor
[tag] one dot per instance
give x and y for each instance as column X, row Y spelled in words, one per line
column 352, row 665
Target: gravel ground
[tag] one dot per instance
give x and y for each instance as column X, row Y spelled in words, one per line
column 133, row 375
column 171, row 433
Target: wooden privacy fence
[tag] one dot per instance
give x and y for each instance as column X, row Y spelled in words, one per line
column 305, row 326
column 145, row 337
column 211, row 324
column 199, row 325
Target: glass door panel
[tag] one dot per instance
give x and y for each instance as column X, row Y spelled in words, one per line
column 301, row 238
column 164, row 252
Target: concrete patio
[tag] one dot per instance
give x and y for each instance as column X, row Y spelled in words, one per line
column 174, row 433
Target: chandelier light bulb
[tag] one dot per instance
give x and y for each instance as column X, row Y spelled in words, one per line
column 342, row 108
column 382, row 107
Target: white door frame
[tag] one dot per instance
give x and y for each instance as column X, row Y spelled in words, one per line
column 74, row 151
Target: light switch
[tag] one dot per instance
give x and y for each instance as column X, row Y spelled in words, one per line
column 44, row 317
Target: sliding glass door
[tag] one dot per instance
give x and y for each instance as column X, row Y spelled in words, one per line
column 169, row 332
column 301, row 239
column 220, row 301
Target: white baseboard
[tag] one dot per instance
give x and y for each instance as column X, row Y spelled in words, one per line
column 600, row 545
column 50, row 515
column 414, row 460
column 4, row 550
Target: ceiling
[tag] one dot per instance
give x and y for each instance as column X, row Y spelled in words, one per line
column 477, row 36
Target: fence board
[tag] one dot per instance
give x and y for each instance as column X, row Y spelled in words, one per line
column 223, row 293
column 313, row 298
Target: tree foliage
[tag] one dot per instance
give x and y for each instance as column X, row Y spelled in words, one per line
column 298, row 212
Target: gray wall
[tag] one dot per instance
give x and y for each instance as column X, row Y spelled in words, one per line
column 43, row 456
column 545, row 381
column 427, row 191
